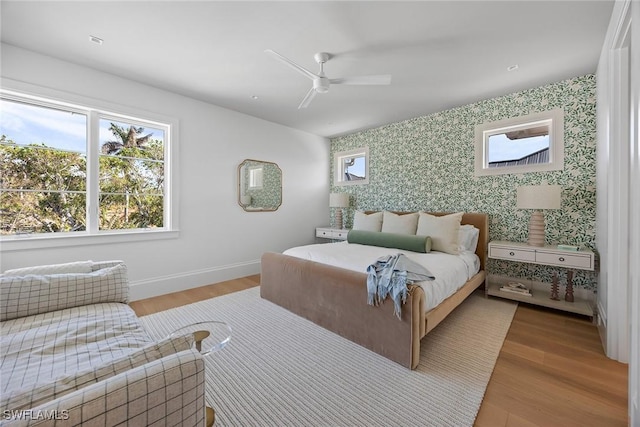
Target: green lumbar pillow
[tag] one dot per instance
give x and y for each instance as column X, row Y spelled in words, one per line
column 408, row 242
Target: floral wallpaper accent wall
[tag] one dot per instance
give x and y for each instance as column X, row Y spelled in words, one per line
column 427, row 163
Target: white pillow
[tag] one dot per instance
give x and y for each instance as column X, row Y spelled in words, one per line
column 70, row 267
column 371, row 222
column 468, row 238
column 443, row 230
column 399, row 224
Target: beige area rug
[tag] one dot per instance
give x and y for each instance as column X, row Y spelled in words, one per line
column 282, row 370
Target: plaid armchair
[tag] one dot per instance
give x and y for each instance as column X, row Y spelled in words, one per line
column 73, row 353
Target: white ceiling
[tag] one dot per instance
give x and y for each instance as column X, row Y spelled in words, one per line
column 441, row 54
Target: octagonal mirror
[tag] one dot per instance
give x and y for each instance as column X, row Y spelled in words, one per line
column 259, row 186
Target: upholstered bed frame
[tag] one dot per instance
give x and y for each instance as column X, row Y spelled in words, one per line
column 335, row 298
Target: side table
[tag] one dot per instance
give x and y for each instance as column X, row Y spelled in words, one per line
column 546, row 255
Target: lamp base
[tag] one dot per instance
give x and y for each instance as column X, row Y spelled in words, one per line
column 536, row 229
column 339, row 219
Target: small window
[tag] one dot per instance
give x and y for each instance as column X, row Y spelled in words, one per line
column 532, row 143
column 352, row 167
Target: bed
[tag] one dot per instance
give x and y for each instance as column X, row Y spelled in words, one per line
column 334, row 297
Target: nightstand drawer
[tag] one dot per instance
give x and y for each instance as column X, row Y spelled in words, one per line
column 340, row 234
column 325, row 233
column 564, row 260
column 332, row 233
column 512, row 254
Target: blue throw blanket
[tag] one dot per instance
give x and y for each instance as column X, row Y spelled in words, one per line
column 389, row 275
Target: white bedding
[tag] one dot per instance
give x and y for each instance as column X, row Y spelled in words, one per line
column 450, row 271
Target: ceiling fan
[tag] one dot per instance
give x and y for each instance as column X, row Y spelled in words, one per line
column 321, row 82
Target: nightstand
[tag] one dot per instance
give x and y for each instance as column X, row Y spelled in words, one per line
column 332, row 233
column 546, row 255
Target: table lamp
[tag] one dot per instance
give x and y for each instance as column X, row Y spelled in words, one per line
column 339, row 201
column 538, row 198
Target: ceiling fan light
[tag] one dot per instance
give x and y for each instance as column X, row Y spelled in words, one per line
column 321, row 84
column 96, row 40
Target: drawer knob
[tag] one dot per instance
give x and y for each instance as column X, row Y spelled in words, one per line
column 511, row 253
column 561, row 258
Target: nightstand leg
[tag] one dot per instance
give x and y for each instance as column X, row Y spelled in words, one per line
column 555, row 288
column 568, row 296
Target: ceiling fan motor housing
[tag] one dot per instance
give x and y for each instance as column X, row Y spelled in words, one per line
column 321, row 84
column 321, row 57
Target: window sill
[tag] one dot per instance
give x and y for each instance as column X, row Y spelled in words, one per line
column 356, row 182
column 22, row 243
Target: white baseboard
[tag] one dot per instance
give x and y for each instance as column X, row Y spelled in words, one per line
column 155, row 286
column 602, row 315
column 602, row 326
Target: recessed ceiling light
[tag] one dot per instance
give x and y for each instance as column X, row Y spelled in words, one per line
column 254, row 96
column 96, row 40
column 512, row 67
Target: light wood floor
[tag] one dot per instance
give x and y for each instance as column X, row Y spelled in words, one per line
column 551, row 370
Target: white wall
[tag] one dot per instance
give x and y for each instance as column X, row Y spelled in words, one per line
column 217, row 239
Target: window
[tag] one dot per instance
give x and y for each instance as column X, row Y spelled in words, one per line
column 255, row 177
column 73, row 170
column 131, row 175
column 352, row 167
column 532, row 143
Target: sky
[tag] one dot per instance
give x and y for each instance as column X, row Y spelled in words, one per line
column 27, row 124
column 358, row 167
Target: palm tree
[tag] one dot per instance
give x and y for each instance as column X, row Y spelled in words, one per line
column 128, row 139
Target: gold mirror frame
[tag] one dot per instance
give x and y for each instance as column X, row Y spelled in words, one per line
column 259, row 186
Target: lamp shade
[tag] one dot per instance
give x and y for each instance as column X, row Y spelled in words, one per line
column 339, row 200
column 539, row 197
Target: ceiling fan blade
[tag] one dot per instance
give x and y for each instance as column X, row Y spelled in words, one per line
column 383, row 79
column 308, row 98
column 291, row 64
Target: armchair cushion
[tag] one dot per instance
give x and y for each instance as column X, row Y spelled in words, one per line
column 34, row 294
column 40, row 348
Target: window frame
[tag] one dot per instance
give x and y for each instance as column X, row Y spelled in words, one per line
column 256, row 177
column 338, row 166
column 95, row 110
column 483, row 131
